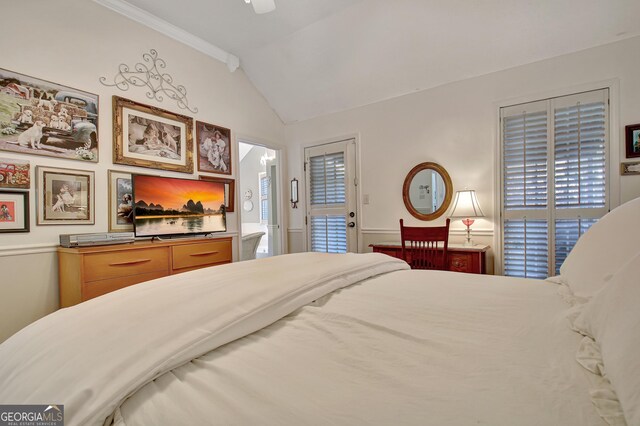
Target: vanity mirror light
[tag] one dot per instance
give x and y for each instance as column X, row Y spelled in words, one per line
column 427, row 191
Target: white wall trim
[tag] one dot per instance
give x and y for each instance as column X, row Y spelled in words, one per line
column 22, row 250
column 294, row 230
column 145, row 18
column 281, row 156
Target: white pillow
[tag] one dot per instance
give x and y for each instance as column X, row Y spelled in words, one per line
column 612, row 319
column 603, row 249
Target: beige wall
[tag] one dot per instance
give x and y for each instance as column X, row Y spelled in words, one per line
column 74, row 43
column 456, row 125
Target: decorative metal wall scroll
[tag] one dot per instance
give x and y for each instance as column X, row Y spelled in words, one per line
column 149, row 75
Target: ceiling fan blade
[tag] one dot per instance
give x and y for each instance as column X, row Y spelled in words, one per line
column 263, row 6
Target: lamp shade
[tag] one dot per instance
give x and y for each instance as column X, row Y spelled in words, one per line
column 466, row 205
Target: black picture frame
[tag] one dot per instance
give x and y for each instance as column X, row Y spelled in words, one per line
column 632, row 137
column 16, row 202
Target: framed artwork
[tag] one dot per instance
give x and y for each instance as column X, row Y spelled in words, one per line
column 120, row 202
column 633, row 140
column 630, row 168
column 14, row 211
column 147, row 136
column 229, row 190
column 14, row 173
column 214, row 148
column 44, row 118
column 64, row 196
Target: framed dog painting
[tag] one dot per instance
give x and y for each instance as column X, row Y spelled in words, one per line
column 214, row 148
column 147, row 136
column 64, row 197
column 44, row 118
column 120, row 202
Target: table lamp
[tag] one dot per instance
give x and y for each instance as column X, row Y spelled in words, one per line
column 465, row 207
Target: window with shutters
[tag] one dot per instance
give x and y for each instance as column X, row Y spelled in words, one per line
column 264, row 197
column 554, row 179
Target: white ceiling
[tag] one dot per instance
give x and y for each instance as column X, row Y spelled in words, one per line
column 313, row 57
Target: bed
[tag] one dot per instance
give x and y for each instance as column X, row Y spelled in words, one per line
column 353, row 339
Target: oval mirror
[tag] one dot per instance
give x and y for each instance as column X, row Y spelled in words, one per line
column 427, row 191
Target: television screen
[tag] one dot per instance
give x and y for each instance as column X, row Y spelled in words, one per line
column 165, row 206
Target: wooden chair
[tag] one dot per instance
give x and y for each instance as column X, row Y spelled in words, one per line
column 427, row 246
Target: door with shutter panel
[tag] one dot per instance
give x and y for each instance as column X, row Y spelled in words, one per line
column 331, row 217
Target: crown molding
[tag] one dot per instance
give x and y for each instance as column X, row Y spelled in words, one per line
column 145, row 18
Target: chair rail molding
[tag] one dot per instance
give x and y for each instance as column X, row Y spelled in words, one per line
column 21, row 250
column 478, row 232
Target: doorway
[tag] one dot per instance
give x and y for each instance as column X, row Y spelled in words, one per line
column 331, row 216
column 259, row 201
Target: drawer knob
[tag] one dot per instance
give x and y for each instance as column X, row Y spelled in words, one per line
column 130, row 262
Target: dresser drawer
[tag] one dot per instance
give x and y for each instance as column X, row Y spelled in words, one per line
column 98, row 288
column 201, row 254
column 460, row 262
column 116, row 264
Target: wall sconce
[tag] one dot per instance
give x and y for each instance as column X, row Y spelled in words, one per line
column 294, row 193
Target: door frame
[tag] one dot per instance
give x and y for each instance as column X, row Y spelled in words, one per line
column 280, row 159
column 302, row 190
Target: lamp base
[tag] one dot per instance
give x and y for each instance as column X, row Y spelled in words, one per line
column 468, row 223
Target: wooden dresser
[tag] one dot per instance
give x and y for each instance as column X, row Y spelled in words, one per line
column 461, row 259
column 88, row 272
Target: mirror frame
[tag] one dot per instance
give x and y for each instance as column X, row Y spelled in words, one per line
column 448, row 186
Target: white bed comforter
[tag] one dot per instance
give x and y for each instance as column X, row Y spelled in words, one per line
column 405, row 348
column 91, row 356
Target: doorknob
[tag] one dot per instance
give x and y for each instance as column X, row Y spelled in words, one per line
column 352, row 214
column 352, row 224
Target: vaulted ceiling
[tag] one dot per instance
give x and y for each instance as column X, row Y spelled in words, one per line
column 313, row 57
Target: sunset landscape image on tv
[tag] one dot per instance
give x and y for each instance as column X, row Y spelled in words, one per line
column 171, row 206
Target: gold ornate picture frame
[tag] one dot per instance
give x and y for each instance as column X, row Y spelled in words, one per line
column 151, row 137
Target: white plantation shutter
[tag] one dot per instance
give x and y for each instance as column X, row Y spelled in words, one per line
column 526, row 250
column 525, row 161
column 329, row 234
column 327, row 179
column 567, row 233
column 328, row 189
column 580, row 156
column 554, row 179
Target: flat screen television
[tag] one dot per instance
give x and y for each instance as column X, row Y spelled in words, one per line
column 167, row 206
